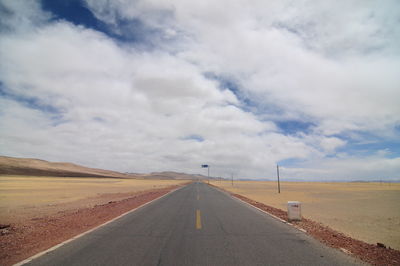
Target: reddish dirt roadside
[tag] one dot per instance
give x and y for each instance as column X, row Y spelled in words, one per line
column 26, row 238
column 373, row 254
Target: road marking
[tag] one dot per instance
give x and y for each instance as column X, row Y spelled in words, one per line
column 261, row 210
column 198, row 219
column 91, row 230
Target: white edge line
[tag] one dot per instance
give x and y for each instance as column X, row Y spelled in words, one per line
column 261, row 210
column 89, row 231
column 283, row 221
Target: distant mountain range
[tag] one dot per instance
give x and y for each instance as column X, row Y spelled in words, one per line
column 37, row 167
column 172, row 175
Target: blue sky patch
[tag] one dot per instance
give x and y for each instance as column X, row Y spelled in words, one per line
column 291, row 127
column 73, row 11
column 260, row 109
column 290, row 162
column 76, row 12
column 391, row 148
column 197, row 138
column 362, row 143
column 30, row 102
column 99, row 119
column 247, row 104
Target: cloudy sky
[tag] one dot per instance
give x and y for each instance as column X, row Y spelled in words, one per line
column 153, row 85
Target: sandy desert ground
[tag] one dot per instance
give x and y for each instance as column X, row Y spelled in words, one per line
column 30, row 197
column 365, row 211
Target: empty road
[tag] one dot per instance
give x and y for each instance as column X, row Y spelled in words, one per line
column 195, row 225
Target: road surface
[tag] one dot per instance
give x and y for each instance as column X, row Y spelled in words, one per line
column 195, row 225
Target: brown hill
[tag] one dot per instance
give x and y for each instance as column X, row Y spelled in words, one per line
column 36, row 167
column 172, row 175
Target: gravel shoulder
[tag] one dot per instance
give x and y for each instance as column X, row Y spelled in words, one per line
column 373, row 254
column 26, row 237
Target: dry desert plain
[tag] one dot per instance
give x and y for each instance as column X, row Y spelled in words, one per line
column 365, row 211
column 27, row 197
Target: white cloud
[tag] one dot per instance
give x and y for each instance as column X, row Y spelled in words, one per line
column 375, row 167
column 123, row 107
column 331, row 144
column 21, row 15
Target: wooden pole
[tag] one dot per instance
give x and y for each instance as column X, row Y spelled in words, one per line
column 279, row 184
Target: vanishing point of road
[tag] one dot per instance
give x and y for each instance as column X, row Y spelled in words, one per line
column 195, row 225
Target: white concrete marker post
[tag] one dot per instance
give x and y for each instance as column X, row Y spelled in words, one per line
column 294, row 211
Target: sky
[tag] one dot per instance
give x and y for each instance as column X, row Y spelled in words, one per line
column 169, row 85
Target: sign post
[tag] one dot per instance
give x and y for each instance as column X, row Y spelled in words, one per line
column 208, row 171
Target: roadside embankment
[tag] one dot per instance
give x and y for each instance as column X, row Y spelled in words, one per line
column 42, row 226
column 376, row 254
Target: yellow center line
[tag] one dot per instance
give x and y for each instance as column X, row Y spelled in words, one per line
column 198, row 219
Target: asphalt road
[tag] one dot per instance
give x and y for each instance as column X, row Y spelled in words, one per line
column 196, row 225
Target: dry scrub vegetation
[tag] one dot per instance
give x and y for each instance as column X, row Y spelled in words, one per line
column 365, row 211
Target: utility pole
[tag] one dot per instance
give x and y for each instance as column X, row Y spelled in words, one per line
column 208, row 168
column 232, row 178
column 279, row 184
